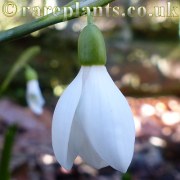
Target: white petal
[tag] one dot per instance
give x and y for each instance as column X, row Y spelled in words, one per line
column 34, row 97
column 80, row 143
column 62, row 122
column 106, row 118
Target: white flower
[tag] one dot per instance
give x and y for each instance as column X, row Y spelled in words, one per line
column 92, row 119
column 34, row 97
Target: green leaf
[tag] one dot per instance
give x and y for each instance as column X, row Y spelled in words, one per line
column 6, row 152
column 50, row 19
column 126, row 176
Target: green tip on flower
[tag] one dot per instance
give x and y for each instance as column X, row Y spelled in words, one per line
column 91, row 45
column 30, row 73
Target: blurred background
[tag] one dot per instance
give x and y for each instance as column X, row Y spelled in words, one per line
column 144, row 62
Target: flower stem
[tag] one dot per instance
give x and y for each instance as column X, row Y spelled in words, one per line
column 90, row 18
column 50, row 19
column 22, row 61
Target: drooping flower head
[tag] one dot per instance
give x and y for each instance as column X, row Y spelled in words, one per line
column 34, row 96
column 92, row 118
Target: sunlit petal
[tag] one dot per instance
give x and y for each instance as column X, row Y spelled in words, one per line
column 62, row 122
column 106, row 118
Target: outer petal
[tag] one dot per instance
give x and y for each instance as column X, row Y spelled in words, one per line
column 106, row 118
column 34, row 97
column 80, row 144
column 62, row 122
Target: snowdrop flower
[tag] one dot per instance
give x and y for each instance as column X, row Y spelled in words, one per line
column 34, row 97
column 92, row 118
